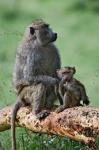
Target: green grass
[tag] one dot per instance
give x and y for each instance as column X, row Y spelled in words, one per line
column 78, row 42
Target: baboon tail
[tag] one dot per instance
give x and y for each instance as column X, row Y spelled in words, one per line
column 13, row 132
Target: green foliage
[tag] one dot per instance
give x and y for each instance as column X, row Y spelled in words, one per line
column 78, row 29
column 35, row 141
column 92, row 5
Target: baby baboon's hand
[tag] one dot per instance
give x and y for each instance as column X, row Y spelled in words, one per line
column 86, row 101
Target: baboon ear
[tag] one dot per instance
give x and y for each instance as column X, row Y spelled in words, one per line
column 74, row 69
column 32, row 30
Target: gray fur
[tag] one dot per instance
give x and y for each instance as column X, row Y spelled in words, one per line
column 37, row 60
column 71, row 91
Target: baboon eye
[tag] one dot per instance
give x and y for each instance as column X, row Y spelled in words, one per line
column 32, row 30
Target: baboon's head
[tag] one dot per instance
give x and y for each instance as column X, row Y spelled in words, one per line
column 65, row 72
column 40, row 31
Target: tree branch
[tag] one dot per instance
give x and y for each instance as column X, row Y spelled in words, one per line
column 79, row 123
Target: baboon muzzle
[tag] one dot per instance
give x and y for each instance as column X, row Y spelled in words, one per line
column 54, row 37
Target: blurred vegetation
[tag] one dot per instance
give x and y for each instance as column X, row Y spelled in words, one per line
column 92, row 5
column 77, row 25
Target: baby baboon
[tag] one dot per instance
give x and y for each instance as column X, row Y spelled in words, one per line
column 71, row 90
column 37, row 60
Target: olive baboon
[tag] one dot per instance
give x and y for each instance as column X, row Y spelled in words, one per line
column 37, row 60
column 70, row 89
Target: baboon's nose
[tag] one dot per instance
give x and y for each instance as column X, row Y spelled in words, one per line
column 55, row 35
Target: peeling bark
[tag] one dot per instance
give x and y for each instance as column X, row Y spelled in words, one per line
column 79, row 123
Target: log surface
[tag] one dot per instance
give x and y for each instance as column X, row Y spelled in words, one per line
column 79, row 123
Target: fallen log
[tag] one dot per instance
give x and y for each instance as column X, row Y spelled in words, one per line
column 79, row 123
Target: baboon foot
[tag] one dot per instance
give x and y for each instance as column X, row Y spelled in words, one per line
column 43, row 114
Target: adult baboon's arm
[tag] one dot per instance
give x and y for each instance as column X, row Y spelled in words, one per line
column 45, row 79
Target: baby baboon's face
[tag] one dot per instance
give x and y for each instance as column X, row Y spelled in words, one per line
column 65, row 72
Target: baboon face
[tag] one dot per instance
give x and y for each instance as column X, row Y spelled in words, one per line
column 43, row 34
column 65, row 72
